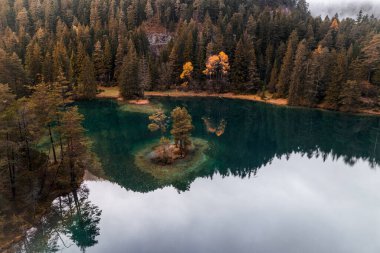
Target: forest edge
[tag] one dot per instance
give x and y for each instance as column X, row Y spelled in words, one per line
column 114, row 93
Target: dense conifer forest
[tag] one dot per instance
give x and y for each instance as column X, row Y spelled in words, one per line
column 54, row 52
column 245, row 46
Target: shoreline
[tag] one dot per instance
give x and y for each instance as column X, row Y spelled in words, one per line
column 113, row 93
column 44, row 207
column 229, row 95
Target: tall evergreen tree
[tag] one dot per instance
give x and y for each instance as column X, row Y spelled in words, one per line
column 181, row 129
column 12, row 73
column 107, row 61
column 240, row 64
column 144, row 74
column 119, row 58
column 128, row 79
column 87, row 82
column 296, row 89
column 338, row 78
column 349, row 96
column 318, row 76
column 273, row 77
column 99, row 64
column 253, row 72
column 33, row 62
column 287, row 66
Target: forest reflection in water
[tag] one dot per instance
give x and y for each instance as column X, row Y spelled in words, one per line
column 293, row 205
column 287, row 150
column 71, row 220
column 256, row 134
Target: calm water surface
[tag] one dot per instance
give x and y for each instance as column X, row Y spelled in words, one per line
column 277, row 180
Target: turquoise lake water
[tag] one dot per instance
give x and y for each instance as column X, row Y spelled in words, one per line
column 278, row 179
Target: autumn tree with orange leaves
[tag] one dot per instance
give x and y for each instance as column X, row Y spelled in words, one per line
column 186, row 74
column 217, row 66
column 187, row 70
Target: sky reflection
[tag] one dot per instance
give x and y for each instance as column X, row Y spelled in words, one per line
column 295, row 205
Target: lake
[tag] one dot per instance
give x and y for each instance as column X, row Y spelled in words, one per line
column 275, row 179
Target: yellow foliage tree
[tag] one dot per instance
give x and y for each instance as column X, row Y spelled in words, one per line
column 211, row 65
column 187, row 70
column 217, row 65
column 224, row 62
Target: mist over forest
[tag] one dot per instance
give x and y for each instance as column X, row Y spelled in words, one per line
column 345, row 8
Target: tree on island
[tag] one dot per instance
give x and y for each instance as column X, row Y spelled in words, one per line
column 182, row 126
column 181, row 129
column 159, row 121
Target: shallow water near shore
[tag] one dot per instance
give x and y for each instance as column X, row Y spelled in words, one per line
column 277, row 179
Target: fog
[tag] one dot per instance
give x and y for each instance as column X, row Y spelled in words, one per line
column 345, row 8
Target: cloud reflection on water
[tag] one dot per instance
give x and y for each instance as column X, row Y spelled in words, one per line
column 299, row 205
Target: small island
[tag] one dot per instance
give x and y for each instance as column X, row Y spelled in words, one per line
column 172, row 158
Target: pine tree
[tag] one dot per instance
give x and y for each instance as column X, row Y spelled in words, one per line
column 47, row 68
column 188, row 45
column 44, row 106
column 87, row 82
column 349, row 96
column 79, row 59
column 128, row 79
column 33, row 62
column 144, row 74
column 317, row 77
column 200, row 56
column 181, row 129
column 73, row 139
column 73, row 68
column 98, row 59
column 269, row 55
column 287, row 66
column 253, row 72
column 244, row 73
column 107, row 61
column 239, row 69
column 174, row 65
column 273, row 77
column 60, row 59
column 132, row 15
column 12, row 73
column 338, row 78
column 119, row 58
column 296, row 89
